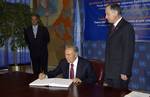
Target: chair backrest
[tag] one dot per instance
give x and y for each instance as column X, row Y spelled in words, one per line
column 99, row 69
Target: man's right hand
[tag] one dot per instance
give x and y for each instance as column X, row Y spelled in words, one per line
column 42, row 76
column 76, row 81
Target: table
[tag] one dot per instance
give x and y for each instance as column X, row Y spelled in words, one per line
column 16, row 84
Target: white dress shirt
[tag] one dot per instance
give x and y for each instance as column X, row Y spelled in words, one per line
column 35, row 28
column 115, row 24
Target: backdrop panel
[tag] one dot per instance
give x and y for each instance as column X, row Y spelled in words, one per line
column 136, row 12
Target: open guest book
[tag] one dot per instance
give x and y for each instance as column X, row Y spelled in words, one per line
column 54, row 82
column 137, row 94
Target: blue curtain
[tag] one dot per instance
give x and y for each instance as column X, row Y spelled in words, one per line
column 78, row 24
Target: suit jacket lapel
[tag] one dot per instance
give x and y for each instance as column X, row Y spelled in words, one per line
column 117, row 27
column 38, row 31
column 111, row 32
column 67, row 71
column 78, row 72
column 31, row 32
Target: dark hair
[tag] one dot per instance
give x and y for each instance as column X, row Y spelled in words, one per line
column 36, row 15
column 115, row 7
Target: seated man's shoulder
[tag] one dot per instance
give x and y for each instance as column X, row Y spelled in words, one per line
column 63, row 60
column 84, row 60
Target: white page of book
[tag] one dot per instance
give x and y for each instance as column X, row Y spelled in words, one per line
column 43, row 82
column 137, row 94
column 54, row 82
column 59, row 82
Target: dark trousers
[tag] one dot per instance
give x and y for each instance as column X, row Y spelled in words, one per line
column 39, row 64
column 117, row 83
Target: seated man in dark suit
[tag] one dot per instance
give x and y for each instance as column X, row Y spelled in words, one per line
column 73, row 67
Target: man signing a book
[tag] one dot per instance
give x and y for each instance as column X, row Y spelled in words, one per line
column 73, row 67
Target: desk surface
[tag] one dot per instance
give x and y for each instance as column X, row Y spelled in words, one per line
column 16, row 84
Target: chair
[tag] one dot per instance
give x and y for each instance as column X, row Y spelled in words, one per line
column 99, row 70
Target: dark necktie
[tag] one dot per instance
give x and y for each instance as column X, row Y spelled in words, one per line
column 113, row 29
column 71, row 72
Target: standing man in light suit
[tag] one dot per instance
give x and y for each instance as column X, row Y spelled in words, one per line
column 37, row 38
column 119, row 49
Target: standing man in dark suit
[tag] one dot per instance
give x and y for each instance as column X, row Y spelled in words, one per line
column 73, row 67
column 119, row 49
column 37, row 38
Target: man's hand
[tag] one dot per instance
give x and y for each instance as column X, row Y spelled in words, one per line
column 124, row 77
column 77, row 81
column 42, row 76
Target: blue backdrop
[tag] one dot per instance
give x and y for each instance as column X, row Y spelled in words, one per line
column 95, row 26
column 140, row 79
column 136, row 12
